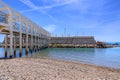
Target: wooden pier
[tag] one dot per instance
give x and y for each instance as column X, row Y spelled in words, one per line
column 20, row 32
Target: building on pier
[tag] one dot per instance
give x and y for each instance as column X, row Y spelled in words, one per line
column 79, row 41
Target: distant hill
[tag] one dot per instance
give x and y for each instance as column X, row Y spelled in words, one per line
column 113, row 43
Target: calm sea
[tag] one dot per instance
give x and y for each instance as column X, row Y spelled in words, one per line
column 108, row 57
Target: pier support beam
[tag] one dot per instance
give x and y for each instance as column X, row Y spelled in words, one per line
column 31, row 37
column 41, row 43
column 26, row 39
column 11, row 34
column 14, row 45
column 31, row 45
column 20, row 39
column 11, row 43
column 6, row 45
column 38, row 43
column 35, row 44
column 26, row 48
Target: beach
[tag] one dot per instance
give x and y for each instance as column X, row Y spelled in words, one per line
column 53, row 69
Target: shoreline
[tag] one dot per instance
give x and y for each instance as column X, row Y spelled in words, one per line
column 53, row 69
column 77, row 62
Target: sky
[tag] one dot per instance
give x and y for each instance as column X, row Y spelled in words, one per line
column 98, row 18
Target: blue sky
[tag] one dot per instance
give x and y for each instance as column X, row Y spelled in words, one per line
column 98, row 18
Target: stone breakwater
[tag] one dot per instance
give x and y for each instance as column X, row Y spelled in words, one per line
column 52, row 69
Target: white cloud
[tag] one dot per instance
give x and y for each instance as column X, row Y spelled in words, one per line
column 50, row 28
column 42, row 9
column 29, row 3
column 55, row 3
column 34, row 7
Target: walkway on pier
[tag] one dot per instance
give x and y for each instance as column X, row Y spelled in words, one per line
column 20, row 31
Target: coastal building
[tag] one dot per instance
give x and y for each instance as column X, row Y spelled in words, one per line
column 79, row 41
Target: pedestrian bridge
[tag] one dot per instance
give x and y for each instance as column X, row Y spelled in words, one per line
column 20, row 31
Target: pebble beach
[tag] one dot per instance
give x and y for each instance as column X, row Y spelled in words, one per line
column 53, row 69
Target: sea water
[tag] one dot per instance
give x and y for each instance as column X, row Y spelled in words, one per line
column 108, row 57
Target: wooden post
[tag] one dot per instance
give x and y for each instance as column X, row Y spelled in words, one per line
column 31, row 47
column 11, row 43
column 35, row 43
column 20, row 38
column 27, row 39
column 11, row 35
column 38, row 43
column 15, row 46
column 41, row 42
column 6, row 45
column 31, row 39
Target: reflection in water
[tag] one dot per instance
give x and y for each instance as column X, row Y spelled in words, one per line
column 42, row 53
column 2, row 51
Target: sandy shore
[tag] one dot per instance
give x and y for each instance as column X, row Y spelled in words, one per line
column 51, row 69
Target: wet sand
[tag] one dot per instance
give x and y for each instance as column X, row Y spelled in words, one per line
column 53, row 69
